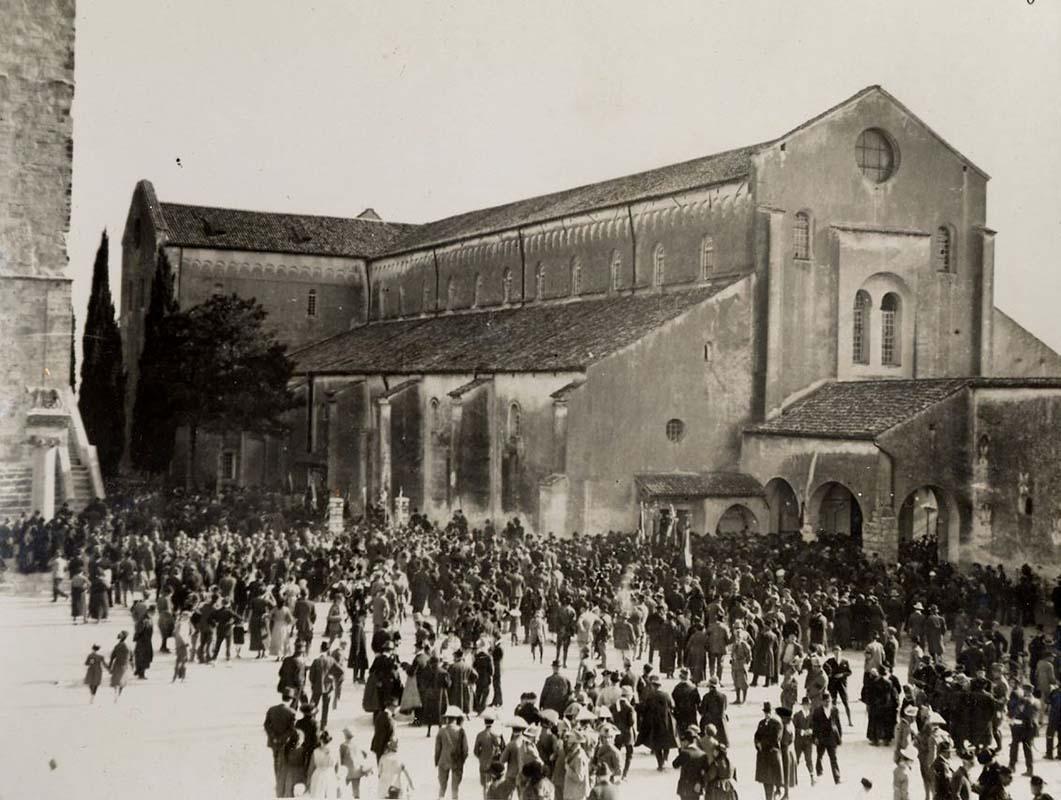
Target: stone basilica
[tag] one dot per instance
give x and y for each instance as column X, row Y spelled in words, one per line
column 795, row 335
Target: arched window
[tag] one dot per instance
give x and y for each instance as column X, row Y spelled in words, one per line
column 477, row 290
column 890, row 339
column 617, row 270
column 675, row 430
column 506, row 287
column 707, row 257
column 539, row 282
column 451, row 293
column 382, row 301
column 311, row 300
column 859, row 332
column 801, row 236
column 659, row 263
column 941, row 249
column 425, row 296
column 576, row 276
column 435, row 415
column 515, row 421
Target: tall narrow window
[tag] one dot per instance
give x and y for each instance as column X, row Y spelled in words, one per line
column 515, row 421
column 576, row 276
column 707, row 257
column 382, row 301
column 435, row 416
column 801, row 235
column 425, row 296
column 659, row 263
column 942, row 249
column 311, row 300
column 539, row 282
column 859, row 320
column 617, row 270
column 890, row 344
column 451, row 291
column 506, row 287
column 477, row 290
column 401, row 301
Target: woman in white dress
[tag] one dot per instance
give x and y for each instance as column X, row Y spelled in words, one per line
column 324, row 781
column 280, row 621
column 394, row 780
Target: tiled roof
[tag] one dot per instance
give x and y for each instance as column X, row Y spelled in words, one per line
column 534, row 338
column 234, row 229
column 859, row 409
column 698, row 484
column 705, row 171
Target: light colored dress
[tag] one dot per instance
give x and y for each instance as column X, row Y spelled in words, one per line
column 390, row 774
column 324, row 782
column 280, row 621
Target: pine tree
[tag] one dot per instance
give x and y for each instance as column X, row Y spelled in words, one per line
column 101, row 400
column 154, row 423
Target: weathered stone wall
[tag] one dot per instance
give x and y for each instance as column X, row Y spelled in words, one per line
column 36, row 150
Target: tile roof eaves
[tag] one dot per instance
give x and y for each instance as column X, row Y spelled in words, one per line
column 445, row 242
column 793, row 433
column 334, row 253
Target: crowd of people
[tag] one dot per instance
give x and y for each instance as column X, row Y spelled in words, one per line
column 660, row 649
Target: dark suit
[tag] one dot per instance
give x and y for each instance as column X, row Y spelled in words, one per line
column 693, row 763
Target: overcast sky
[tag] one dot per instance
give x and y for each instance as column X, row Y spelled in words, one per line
column 425, row 109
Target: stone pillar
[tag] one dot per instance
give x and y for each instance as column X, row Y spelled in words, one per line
column 880, row 532
column 456, row 412
column 774, row 272
column 241, row 470
column 384, row 407
column 44, row 456
column 987, row 301
column 560, row 436
column 333, row 442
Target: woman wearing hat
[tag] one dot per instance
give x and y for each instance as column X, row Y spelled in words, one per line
column 95, row 664
column 118, row 665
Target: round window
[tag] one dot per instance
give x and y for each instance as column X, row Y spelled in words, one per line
column 675, row 430
column 876, row 155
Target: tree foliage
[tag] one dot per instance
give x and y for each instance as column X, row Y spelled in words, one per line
column 154, row 421
column 227, row 371
column 102, row 397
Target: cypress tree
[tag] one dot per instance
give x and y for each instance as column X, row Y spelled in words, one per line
column 154, row 422
column 73, row 352
column 101, row 400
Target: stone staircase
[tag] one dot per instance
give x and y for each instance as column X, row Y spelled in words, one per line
column 80, row 494
column 16, row 490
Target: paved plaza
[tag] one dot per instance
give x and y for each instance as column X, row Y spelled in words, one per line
column 204, row 738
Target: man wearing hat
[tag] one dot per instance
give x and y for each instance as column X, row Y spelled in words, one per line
column 693, row 765
column 828, row 735
column 1023, row 726
column 769, row 766
column 451, row 751
column 488, row 746
column 904, row 763
column 624, row 717
column 657, row 725
column 929, row 740
column 279, row 725
column 713, row 710
column 556, row 690
column 686, row 701
column 942, row 772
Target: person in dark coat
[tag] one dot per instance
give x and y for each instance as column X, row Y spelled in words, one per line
column 764, row 657
column 433, row 683
column 292, row 675
column 828, row 734
column 279, row 727
column 462, row 680
column 713, row 711
column 693, row 764
column 483, row 666
column 384, row 683
column 382, row 730
column 657, row 727
column 358, row 659
column 305, row 617
column 143, row 650
column 769, row 767
column 556, row 691
column 686, row 701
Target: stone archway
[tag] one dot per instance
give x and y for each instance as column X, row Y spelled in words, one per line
column 738, row 518
column 930, row 510
column 834, row 509
column 785, row 513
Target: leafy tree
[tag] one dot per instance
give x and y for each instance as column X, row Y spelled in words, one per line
column 228, row 373
column 154, row 423
column 102, row 396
